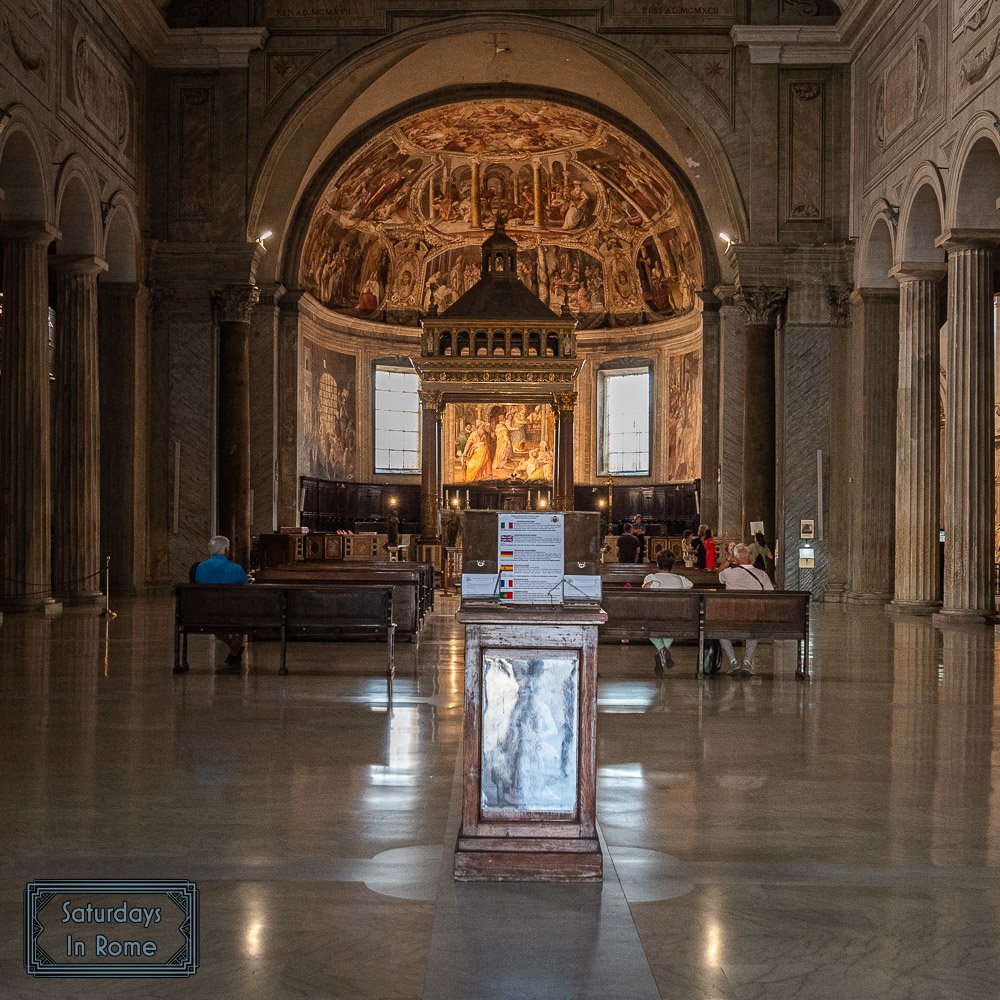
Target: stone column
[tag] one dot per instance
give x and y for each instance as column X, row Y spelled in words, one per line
column 264, row 420
column 25, row 486
column 710, row 396
column 161, row 460
column 287, row 404
column 234, row 309
column 761, row 306
column 565, row 408
column 872, row 443
column 536, row 181
column 123, row 362
column 838, row 529
column 918, row 435
column 76, row 499
column 430, row 468
column 474, row 195
column 968, row 429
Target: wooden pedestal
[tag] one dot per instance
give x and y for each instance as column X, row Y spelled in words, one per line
column 530, row 776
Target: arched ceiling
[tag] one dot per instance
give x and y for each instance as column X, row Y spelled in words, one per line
column 601, row 225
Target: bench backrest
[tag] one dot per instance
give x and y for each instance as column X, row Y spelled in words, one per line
column 208, row 606
column 340, row 606
column 755, row 614
column 668, row 613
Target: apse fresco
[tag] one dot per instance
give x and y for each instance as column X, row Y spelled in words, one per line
column 601, row 227
column 488, row 441
column 684, row 423
column 328, row 414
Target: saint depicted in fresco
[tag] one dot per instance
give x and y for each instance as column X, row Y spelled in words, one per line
column 328, row 413
column 602, row 228
column 490, row 441
column 684, row 423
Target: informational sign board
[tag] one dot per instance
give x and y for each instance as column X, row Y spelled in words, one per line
column 530, row 558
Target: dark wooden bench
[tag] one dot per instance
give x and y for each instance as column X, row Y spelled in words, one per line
column 640, row 614
column 686, row 615
column 758, row 614
column 410, row 600
column 285, row 612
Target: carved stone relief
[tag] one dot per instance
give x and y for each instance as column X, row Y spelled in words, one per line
column 977, row 64
column 902, row 88
column 714, row 70
column 101, row 92
column 805, row 167
column 970, row 15
column 29, row 50
column 195, row 126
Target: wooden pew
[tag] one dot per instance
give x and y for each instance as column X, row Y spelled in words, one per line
column 758, row 614
column 411, row 600
column 291, row 612
column 640, row 614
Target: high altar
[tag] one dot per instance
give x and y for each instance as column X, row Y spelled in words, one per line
column 498, row 343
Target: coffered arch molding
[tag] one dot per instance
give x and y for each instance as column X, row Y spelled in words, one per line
column 390, row 78
column 973, row 197
column 25, row 178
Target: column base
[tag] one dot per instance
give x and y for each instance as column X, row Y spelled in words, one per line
column 947, row 618
column 48, row 607
column 81, row 600
column 867, row 598
column 834, row 594
column 902, row 609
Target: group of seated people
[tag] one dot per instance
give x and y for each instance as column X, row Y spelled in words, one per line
column 742, row 568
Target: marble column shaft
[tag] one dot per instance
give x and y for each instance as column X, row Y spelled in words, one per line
column 711, row 337
column 76, row 499
column 761, row 306
column 968, row 432
column 872, row 446
column 565, row 407
column 430, row 468
column 123, row 351
column 25, row 420
column 234, row 306
column 918, row 435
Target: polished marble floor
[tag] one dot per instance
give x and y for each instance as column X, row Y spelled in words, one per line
column 764, row 838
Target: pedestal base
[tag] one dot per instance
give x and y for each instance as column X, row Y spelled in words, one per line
column 95, row 600
column 45, row 606
column 903, row 609
column 490, row 859
column 947, row 618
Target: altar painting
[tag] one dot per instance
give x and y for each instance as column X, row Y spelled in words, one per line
column 491, row 441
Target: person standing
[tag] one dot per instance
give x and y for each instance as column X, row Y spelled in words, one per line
column 664, row 579
column 698, row 547
column 711, row 551
column 639, row 531
column 760, row 555
column 628, row 546
column 743, row 576
column 217, row 569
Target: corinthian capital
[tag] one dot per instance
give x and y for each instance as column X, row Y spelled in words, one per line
column 430, row 399
column 234, row 303
column 565, row 402
column 760, row 304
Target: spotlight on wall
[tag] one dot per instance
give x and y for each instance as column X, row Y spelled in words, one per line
column 602, row 503
column 393, row 501
column 727, row 239
column 455, row 502
column 266, row 235
column 542, row 503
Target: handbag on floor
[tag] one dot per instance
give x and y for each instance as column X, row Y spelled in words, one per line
column 711, row 661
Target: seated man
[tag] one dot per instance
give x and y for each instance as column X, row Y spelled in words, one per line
column 218, row 568
column 628, row 546
column 743, row 576
column 664, row 579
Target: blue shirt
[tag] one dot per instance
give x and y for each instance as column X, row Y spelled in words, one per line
column 219, row 569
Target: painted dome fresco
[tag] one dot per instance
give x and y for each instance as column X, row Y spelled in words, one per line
column 600, row 225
